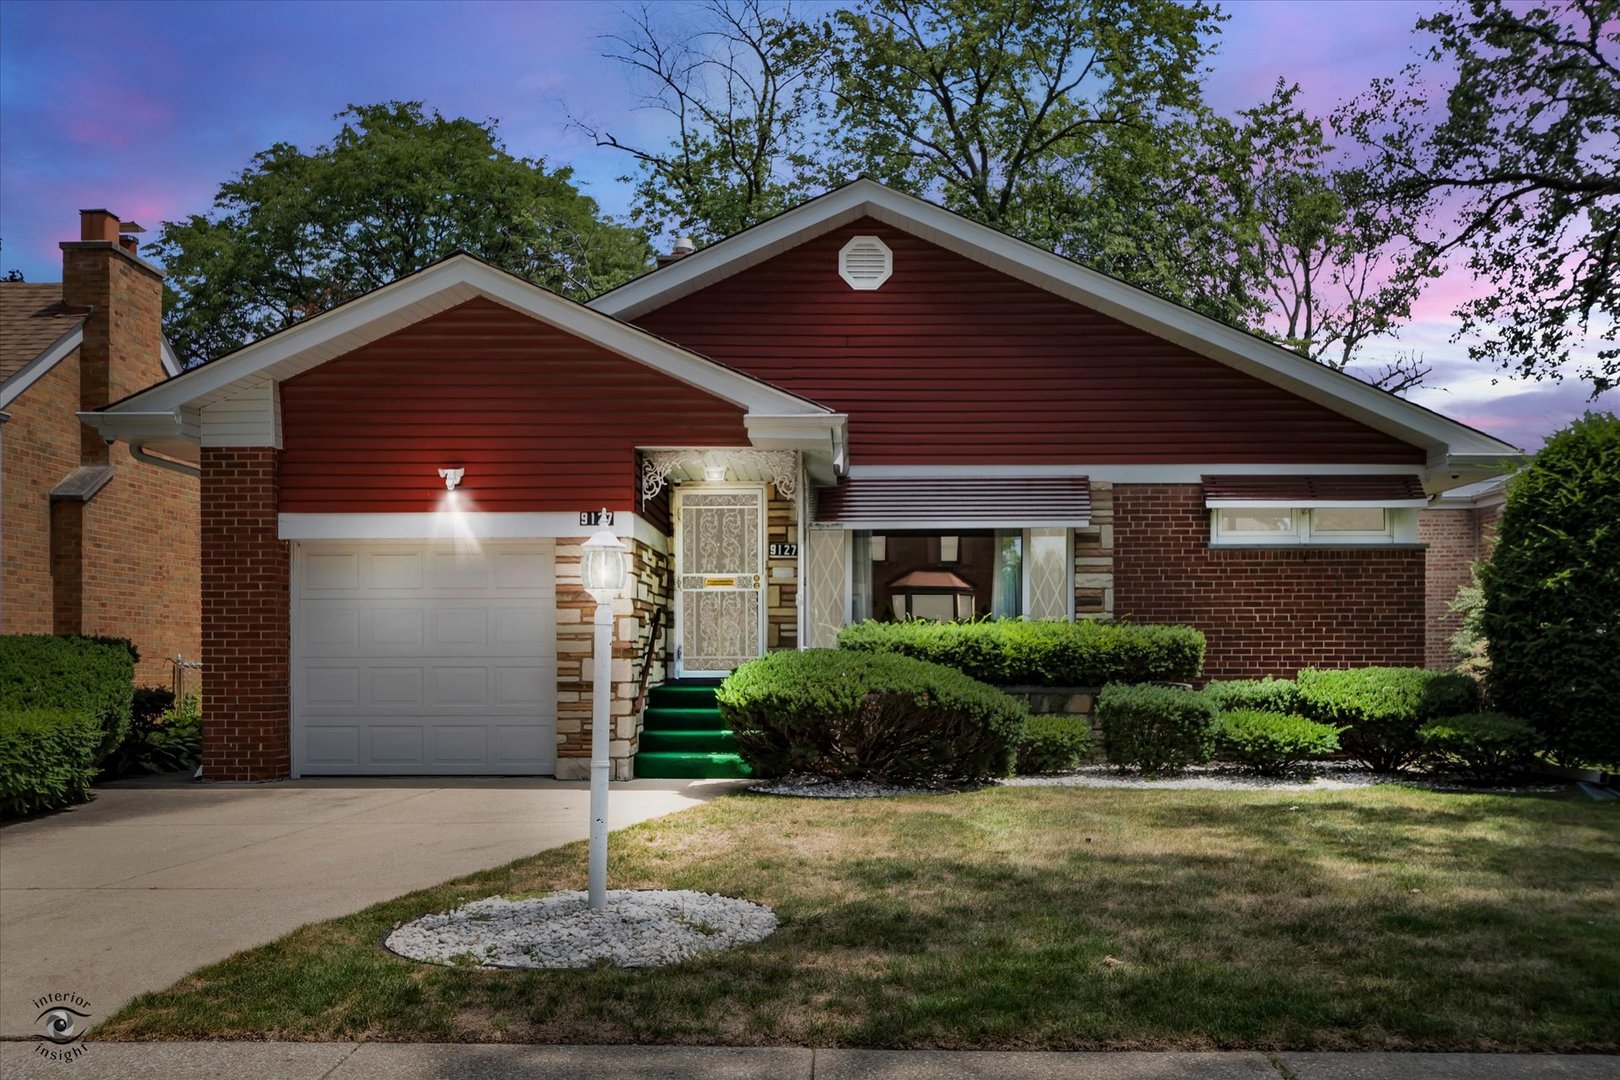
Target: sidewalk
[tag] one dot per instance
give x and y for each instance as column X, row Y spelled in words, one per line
column 462, row 1061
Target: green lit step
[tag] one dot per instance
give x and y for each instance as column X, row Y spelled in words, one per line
column 673, row 765
column 682, row 696
column 711, row 741
column 666, row 718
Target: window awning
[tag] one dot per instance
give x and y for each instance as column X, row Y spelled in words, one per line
column 1381, row 490
column 956, row 502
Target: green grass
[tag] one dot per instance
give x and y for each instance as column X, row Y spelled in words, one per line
column 1387, row 918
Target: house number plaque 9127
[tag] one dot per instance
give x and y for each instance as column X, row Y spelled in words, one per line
column 784, row 551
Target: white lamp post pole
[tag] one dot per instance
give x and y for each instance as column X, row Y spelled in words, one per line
column 603, row 565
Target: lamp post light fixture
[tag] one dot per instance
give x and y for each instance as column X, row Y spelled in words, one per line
column 604, row 565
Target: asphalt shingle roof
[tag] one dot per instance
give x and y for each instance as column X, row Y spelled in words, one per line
column 32, row 318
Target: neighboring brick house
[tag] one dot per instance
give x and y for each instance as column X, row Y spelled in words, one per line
column 1459, row 530
column 866, row 405
column 95, row 541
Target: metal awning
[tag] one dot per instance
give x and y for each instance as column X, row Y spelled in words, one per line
column 956, row 502
column 1380, row 490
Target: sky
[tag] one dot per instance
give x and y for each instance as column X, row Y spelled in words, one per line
column 144, row 108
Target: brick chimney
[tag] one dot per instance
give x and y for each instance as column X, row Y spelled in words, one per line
column 123, row 334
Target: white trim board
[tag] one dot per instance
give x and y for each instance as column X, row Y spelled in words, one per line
column 1385, row 412
column 452, row 526
column 35, row 369
column 1193, row 473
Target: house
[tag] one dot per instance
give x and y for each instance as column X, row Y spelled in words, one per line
column 98, row 538
column 785, row 428
column 1458, row 531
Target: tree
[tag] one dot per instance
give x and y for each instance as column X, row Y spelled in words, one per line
column 982, row 103
column 1522, row 155
column 398, row 187
column 1552, row 593
column 742, row 93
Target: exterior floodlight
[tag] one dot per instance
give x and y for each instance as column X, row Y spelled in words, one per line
column 451, row 477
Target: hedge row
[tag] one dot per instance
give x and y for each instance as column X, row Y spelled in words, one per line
column 852, row 715
column 47, row 758
column 1018, row 652
column 1382, row 708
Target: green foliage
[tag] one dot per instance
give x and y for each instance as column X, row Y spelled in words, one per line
column 1262, row 695
column 1383, row 707
column 1552, row 593
column 1511, row 129
column 1018, row 652
column 1155, row 728
column 1052, row 744
column 94, row 676
column 169, row 740
column 1484, row 747
column 1272, row 743
column 47, row 758
column 1468, row 644
column 868, row 715
column 398, row 187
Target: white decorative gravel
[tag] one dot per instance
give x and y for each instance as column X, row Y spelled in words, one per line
column 821, row 787
column 1326, row 776
column 638, row 928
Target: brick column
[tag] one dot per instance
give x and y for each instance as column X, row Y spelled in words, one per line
column 246, row 638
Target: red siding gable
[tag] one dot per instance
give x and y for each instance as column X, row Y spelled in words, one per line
column 951, row 361
column 541, row 420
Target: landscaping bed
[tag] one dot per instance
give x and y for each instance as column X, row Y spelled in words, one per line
column 1384, row 917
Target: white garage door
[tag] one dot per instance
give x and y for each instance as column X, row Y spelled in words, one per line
column 423, row 657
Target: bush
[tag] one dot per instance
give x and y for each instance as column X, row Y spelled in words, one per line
column 1155, row 728
column 1383, row 708
column 1484, row 747
column 1272, row 743
column 1019, row 652
column 850, row 715
column 1552, row 594
column 46, row 758
column 1051, row 744
column 1254, row 695
column 90, row 675
column 170, row 741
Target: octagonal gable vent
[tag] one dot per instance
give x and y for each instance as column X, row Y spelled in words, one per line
column 865, row 263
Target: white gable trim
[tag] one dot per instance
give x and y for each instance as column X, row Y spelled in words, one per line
column 35, row 369
column 1382, row 411
column 439, row 287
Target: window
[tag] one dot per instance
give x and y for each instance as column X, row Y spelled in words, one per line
column 1349, row 519
column 1252, row 525
column 1264, row 521
column 957, row 575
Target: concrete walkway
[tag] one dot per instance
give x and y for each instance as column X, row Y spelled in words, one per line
column 437, row 1061
column 153, row 879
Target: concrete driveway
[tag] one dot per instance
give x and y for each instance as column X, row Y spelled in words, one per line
column 152, row 879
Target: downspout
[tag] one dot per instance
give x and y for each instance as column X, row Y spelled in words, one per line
column 137, row 450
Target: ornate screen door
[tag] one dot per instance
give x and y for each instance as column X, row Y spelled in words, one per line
column 719, row 578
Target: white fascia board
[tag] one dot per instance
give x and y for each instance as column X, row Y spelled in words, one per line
column 945, row 525
column 1063, row 277
column 452, row 525
column 35, row 369
column 1307, row 504
column 1191, row 473
column 813, row 433
column 144, row 426
column 453, row 281
column 169, row 358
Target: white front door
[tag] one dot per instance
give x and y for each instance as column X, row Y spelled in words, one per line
column 719, row 578
column 422, row 657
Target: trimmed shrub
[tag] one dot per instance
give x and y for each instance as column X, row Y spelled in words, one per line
column 1050, row 744
column 1552, row 594
column 1483, row 747
column 1155, row 728
column 46, row 758
column 1254, row 695
column 853, row 715
column 1272, row 743
column 91, row 675
column 1020, row 652
column 1382, row 708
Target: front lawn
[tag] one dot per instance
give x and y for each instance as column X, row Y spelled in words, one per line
column 1023, row 918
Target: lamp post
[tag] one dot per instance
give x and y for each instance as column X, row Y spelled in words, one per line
column 603, row 565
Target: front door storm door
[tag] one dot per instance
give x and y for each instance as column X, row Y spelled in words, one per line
column 719, row 578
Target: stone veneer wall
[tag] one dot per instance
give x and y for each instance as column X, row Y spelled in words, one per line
column 1094, row 556
column 633, row 614
column 781, row 574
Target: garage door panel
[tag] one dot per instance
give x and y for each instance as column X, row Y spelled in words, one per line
column 416, row 659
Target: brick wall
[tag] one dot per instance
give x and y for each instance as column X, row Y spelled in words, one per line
column 1094, row 556
column 245, row 632
column 40, row 445
column 1265, row 611
column 1457, row 539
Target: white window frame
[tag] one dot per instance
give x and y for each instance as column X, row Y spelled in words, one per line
column 1219, row 537
column 1400, row 527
